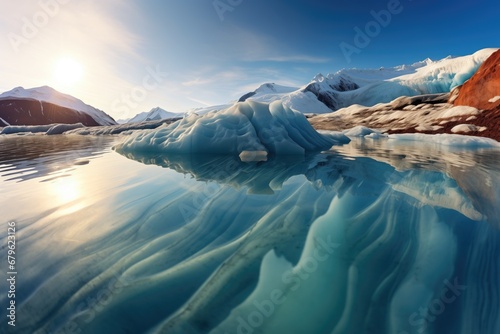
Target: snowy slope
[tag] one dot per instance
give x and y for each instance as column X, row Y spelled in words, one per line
column 206, row 110
column 50, row 95
column 371, row 86
column 154, row 114
column 268, row 92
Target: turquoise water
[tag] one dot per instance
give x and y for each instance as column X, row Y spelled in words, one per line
column 371, row 237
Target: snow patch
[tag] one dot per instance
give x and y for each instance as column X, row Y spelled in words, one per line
column 494, row 99
column 465, row 128
column 460, row 111
column 4, row 121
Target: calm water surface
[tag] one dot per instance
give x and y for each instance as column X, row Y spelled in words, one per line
column 371, row 237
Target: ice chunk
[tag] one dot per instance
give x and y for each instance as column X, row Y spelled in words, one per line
column 246, row 126
column 249, row 156
column 50, row 129
column 25, row 128
column 61, row 128
column 465, row 128
column 362, row 131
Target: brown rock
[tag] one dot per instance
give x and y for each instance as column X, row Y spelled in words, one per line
column 483, row 86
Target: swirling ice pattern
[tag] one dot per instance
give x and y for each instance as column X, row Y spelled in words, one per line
column 322, row 244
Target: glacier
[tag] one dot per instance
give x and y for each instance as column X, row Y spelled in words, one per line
column 369, row 87
column 245, row 127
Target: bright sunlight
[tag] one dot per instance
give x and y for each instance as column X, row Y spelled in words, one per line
column 68, row 72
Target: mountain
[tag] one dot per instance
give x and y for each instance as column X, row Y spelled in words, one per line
column 369, row 87
column 154, row 114
column 44, row 105
column 482, row 91
column 472, row 109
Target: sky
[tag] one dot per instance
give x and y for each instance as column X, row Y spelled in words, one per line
column 128, row 56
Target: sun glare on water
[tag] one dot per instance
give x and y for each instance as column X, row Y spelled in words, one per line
column 65, row 191
column 68, row 72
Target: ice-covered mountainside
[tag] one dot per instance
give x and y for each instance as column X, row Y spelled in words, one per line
column 371, row 86
column 206, row 110
column 48, row 95
column 246, row 127
column 154, row 114
column 268, row 92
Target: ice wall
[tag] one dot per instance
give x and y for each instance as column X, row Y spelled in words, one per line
column 246, row 126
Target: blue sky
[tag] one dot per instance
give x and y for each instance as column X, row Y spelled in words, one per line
column 202, row 56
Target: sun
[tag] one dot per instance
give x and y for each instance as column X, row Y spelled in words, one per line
column 68, row 71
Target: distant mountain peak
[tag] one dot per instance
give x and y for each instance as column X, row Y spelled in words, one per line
column 155, row 114
column 50, row 95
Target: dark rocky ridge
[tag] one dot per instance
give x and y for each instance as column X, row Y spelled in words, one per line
column 15, row 111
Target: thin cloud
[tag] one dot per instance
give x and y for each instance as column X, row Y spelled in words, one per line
column 298, row 59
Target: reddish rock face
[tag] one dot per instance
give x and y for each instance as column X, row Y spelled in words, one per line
column 483, row 86
column 478, row 91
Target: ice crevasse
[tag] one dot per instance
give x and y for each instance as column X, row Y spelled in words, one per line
column 245, row 127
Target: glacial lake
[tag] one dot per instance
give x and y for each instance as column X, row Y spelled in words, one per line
column 376, row 236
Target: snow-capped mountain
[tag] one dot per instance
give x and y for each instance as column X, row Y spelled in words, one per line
column 154, row 114
column 44, row 105
column 369, row 87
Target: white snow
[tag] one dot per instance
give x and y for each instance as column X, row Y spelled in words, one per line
column 206, row 110
column 465, row 128
column 154, row 114
column 494, row 99
column 50, row 95
column 305, row 102
column 247, row 126
column 380, row 85
column 270, row 92
column 1, row 119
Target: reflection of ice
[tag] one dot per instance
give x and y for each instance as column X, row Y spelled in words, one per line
column 475, row 171
column 325, row 170
column 355, row 244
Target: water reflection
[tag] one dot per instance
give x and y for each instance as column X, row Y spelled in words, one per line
column 356, row 240
column 28, row 157
column 404, row 224
column 474, row 174
column 476, row 171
